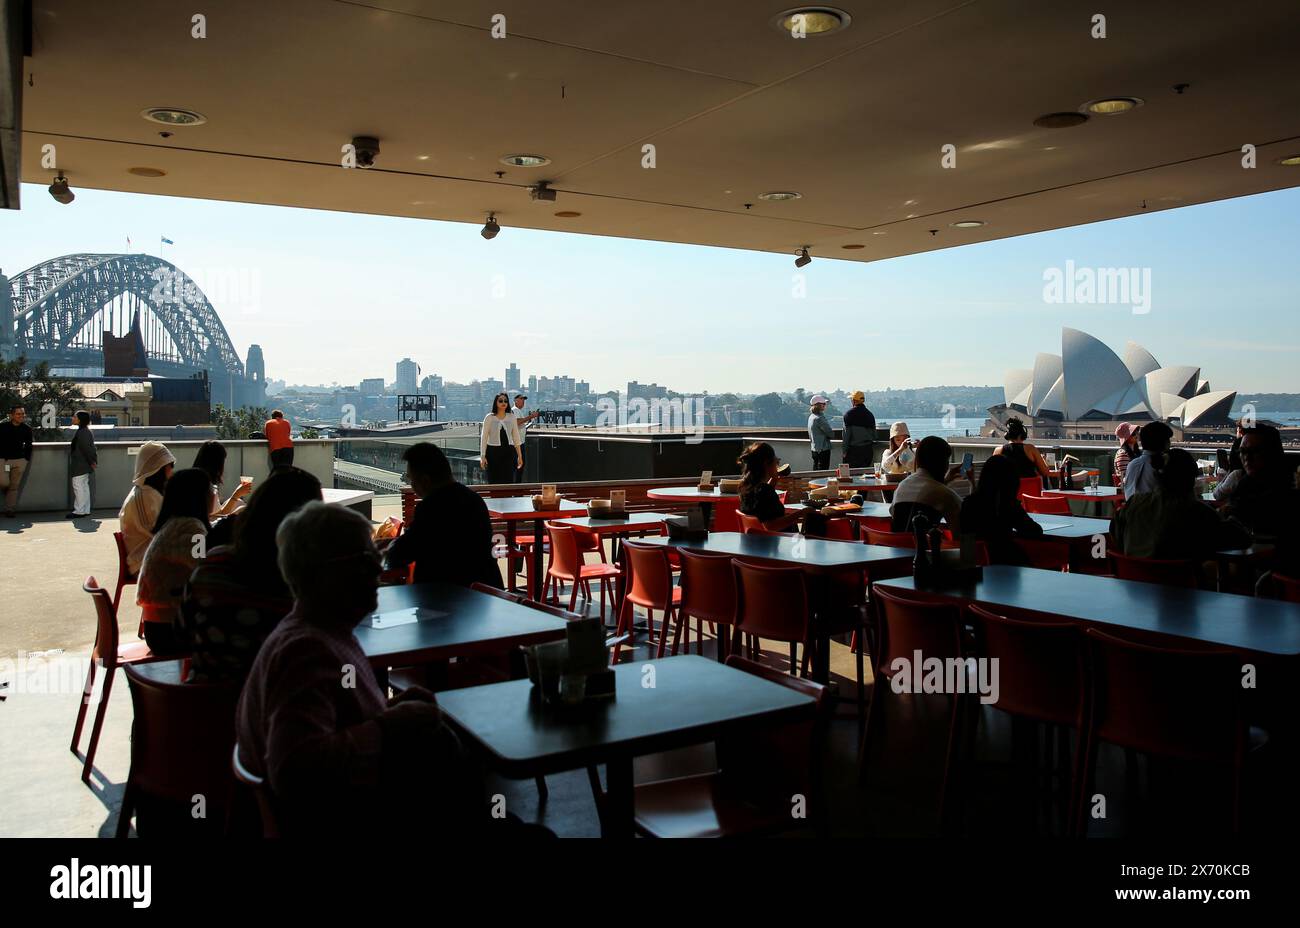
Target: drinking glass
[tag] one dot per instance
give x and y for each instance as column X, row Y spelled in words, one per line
column 876, row 471
column 1093, row 481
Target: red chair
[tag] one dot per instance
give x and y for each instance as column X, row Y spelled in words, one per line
column 1186, row 705
column 1031, row 485
column 837, row 530
column 725, row 512
column 111, row 654
column 708, row 595
column 904, row 626
column 1043, row 676
column 750, row 525
column 773, row 603
column 261, row 792
column 181, row 743
column 567, row 564
column 124, row 575
column 650, row 586
column 890, row 539
column 760, row 769
column 1045, row 505
column 1288, row 588
column 1152, row 570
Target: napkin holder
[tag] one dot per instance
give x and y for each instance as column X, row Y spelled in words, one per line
column 729, row 485
column 605, row 509
column 689, row 527
column 575, row 670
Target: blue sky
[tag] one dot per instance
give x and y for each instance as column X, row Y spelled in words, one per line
column 339, row 297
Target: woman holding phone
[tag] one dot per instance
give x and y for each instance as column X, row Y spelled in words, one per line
column 499, row 445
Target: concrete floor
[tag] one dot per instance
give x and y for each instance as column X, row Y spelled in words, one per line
column 48, row 626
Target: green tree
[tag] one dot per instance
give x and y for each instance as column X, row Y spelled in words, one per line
column 767, row 409
column 40, row 392
column 239, row 423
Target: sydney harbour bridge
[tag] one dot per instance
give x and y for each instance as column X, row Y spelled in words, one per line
column 61, row 310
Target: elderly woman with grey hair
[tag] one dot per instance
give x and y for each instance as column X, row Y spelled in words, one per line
column 337, row 755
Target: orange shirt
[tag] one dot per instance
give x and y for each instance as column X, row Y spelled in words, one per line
column 277, row 434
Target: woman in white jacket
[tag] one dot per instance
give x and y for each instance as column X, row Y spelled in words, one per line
column 899, row 457
column 499, row 451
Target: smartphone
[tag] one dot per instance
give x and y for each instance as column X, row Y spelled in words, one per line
column 968, row 464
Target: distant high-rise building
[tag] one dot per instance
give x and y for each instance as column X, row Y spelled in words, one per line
column 371, row 386
column 407, row 372
column 512, row 377
column 646, row 391
column 431, row 384
column 583, row 388
column 532, row 383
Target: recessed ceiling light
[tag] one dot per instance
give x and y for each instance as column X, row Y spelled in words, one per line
column 525, row 161
column 852, row 247
column 147, row 172
column 167, row 116
column 780, row 195
column 816, row 21
column 1060, row 120
column 968, row 224
column 421, row 157
column 1112, row 106
column 568, row 214
column 1291, row 161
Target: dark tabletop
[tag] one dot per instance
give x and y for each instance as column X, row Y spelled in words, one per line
column 1106, row 493
column 521, row 507
column 473, row 623
column 791, row 549
column 692, row 698
column 1227, row 619
column 858, row 483
column 633, row 520
column 1055, row 526
column 870, row 509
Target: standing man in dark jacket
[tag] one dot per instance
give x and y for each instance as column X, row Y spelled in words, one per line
column 82, row 459
column 859, row 432
column 15, row 455
column 450, row 535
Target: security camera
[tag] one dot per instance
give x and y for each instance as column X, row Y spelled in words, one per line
column 491, row 227
column 59, row 190
column 367, row 149
column 542, row 192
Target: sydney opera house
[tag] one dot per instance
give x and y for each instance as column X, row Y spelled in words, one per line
column 1087, row 389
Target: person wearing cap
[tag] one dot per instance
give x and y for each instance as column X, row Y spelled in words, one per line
column 859, row 432
column 1128, row 450
column 153, row 467
column 820, row 433
column 521, row 421
column 900, row 456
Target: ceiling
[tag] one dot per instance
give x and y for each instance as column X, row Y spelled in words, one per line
column 854, row 121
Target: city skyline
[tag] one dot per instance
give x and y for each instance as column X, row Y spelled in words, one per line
column 343, row 296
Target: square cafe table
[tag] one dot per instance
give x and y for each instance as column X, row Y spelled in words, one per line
column 456, row 622
column 692, row 700
column 815, row 555
column 514, row 509
column 1096, row 498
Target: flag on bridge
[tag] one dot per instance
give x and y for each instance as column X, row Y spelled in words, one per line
column 167, row 241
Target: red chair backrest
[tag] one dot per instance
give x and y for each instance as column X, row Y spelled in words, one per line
column 708, row 587
column 123, row 570
column 1152, row 570
column 1184, row 704
column 566, row 562
column 182, row 736
column 750, row 525
column 767, row 764
column 771, row 602
column 907, row 625
column 877, row 523
column 106, row 634
column 1041, row 666
column 1030, row 485
column 1046, row 505
column 724, row 515
column 651, row 581
column 838, row 530
column 890, row 539
column 497, row 592
column 1288, row 588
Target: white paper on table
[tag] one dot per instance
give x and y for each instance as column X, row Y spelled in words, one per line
column 382, row 620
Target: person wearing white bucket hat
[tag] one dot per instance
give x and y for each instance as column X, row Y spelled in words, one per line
column 153, row 466
column 819, row 433
column 899, row 457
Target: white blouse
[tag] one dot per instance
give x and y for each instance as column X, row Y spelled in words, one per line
column 490, row 436
column 138, row 515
